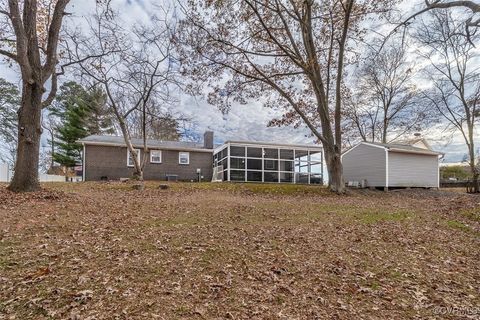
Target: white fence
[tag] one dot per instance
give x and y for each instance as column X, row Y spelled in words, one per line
column 6, row 175
column 50, row 178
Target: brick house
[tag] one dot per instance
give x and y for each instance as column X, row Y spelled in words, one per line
column 107, row 158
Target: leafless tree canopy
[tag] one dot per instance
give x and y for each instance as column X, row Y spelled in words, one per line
column 290, row 53
column 384, row 104
column 136, row 68
column 453, row 71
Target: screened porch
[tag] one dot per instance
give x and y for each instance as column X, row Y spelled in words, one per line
column 274, row 163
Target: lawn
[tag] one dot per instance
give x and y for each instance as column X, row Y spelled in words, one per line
column 237, row 251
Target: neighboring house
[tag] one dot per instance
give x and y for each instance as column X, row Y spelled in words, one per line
column 248, row 161
column 421, row 143
column 391, row 165
column 107, row 158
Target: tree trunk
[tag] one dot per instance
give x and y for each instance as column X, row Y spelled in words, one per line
column 335, row 171
column 475, row 177
column 25, row 178
column 476, row 182
column 471, row 151
column 385, row 129
column 137, row 175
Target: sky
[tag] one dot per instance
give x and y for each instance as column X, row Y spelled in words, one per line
column 243, row 122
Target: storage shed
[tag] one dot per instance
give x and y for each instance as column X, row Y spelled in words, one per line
column 391, row 165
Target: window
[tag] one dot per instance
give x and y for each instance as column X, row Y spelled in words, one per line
column 301, row 155
column 286, row 154
column 237, row 151
column 225, row 163
column 316, row 167
column 270, row 153
column 301, row 177
column 271, row 177
column 184, row 157
column 237, row 175
column 254, row 176
column 237, row 163
column 255, row 164
column 316, row 156
column 301, row 167
column 286, row 177
column 286, row 165
column 271, row 165
column 223, row 153
column 254, row 152
column 130, row 161
column 155, row 156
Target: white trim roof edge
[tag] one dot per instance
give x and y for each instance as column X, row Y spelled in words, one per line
column 110, row 144
column 359, row 144
column 393, row 149
column 270, row 144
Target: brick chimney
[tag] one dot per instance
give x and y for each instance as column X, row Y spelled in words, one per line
column 208, row 140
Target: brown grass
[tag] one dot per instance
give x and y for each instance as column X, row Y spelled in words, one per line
column 238, row 251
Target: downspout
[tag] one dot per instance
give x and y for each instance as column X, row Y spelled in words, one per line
column 294, row 168
column 228, row 163
column 323, row 162
column 438, row 171
column 83, row 162
column 386, row 169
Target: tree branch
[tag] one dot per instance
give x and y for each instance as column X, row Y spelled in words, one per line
column 9, row 55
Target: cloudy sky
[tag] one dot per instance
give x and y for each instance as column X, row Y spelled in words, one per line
column 246, row 122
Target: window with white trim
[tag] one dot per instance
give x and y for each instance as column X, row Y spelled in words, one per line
column 130, row 161
column 155, row 156
column 184, row 157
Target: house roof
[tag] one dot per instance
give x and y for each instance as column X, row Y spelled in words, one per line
column 397, row 147
column 414, row 141
column 270, row 144
column 138, row 143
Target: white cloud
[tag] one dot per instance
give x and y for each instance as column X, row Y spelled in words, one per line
column 243, row 122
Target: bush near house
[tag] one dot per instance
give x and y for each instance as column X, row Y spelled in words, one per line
column 455, row 172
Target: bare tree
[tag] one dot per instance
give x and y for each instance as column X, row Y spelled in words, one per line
column 161, row 124
column 135, row 75
column 469, row 23
column 290, row 53
column 50, row 123
column 454, row 73
column 384, row 104
column 29, row 38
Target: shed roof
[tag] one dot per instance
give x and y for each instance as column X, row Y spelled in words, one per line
column 397, row 147
column 119, row 141
column 414, row 141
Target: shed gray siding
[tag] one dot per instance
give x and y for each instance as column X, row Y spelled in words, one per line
column 365, row 162
column 412, row 170
column 111, row 162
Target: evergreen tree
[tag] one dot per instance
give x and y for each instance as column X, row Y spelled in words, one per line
column 100, row 118
column 81, row 113
column 9, row 104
